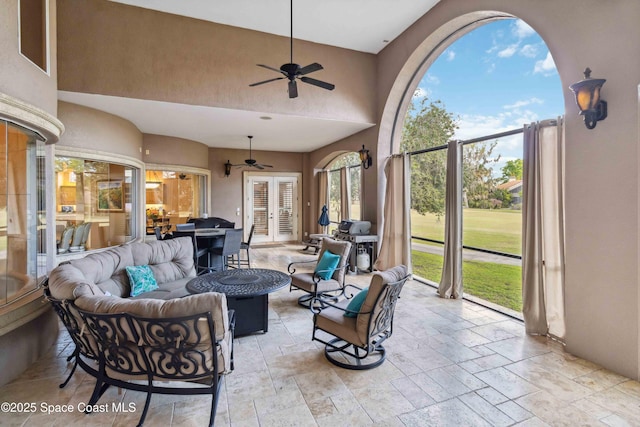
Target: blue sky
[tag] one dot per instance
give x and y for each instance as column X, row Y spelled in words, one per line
column 495, row 78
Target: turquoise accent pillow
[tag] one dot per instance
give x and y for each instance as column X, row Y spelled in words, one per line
column 327, row 265
column 141, row 279
column 356, row 303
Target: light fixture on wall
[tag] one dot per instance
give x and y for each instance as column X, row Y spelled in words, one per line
column 227, row 168
column 365, row 157
column 150, row 185
column 587, row 94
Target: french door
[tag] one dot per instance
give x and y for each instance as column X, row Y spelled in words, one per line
column 272, row 205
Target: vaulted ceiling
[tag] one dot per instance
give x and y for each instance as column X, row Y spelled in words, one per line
column 359, row 25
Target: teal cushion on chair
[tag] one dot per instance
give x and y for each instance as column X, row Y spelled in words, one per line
column 141, row 279
column 355, row 303
column 327, row 265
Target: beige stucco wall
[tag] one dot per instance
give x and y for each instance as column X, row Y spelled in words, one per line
column 113, row 49
column 602, row 165
column 92, row 129
column 160, row 149
column 19, row 77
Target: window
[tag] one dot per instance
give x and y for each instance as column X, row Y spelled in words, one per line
column 34, row 43
column 22, row 207
column 345, row 168
column 94, row 204
column 172, row 197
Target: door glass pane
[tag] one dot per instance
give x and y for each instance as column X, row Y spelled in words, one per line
column 285, row 208
column 261, row 208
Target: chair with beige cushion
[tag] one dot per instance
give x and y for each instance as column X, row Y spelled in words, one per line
column 357, row 333
column 317, row 287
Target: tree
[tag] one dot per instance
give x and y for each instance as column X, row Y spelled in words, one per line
column 428, row 125
column 512, row 169
column 477, row 175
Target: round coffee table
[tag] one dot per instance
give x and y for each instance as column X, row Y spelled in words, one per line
column 247, row 291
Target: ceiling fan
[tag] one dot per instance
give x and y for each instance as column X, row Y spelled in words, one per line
column 294, row 71
column 251, row 162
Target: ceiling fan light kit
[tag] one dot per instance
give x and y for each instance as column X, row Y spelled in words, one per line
column 293, row 71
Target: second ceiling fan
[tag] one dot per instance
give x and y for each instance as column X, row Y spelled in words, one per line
column 294, row 71
column 251, row 162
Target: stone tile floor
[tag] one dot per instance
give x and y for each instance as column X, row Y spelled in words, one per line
column 450, row 363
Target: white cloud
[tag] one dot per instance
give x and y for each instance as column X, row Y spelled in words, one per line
column 420, row 93
column 545, row 66
column 523, row 103
column 521, row 29
column 474, row 126
column 431, row 79
column 450, row 55
column 491, row 68
column 529, row 50
column 509, row 51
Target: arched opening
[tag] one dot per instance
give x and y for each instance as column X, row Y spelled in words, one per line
column 480, row 104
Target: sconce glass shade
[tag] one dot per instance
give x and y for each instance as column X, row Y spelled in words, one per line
column 227, row 168
column 365, row 158
column 587, row 93
column 151, row 184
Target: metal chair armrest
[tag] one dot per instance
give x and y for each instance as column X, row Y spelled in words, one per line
column 291, row 269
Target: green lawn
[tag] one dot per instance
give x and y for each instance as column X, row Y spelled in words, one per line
column 495, row 229
column 498, row 283
column 498, row 230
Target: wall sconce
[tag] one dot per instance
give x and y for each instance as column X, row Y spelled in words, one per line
column 587, row 94
column 365, row 158
column 227, row 169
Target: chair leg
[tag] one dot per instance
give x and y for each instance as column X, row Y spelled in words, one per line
column 145, row 410
column 73, row 369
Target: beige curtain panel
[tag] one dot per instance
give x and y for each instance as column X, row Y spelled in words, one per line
column 451, row 279
column 345, row 193
column 543, row 229
column 395, row 248
column 323, row 195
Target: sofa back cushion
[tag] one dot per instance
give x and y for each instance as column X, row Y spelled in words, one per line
column 105, row 271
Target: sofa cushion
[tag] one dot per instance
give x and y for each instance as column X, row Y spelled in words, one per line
column 105, row 272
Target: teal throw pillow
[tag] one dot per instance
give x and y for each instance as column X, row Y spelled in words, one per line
column 327, row 265
column 141, row 279
column 356, row 303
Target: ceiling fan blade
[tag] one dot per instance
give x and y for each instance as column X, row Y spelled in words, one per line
column 265, row 166
column 293, row 89
column 277, row 70
column 319, row 83
column 310, row 68
column 257, row 166
column 266, row 81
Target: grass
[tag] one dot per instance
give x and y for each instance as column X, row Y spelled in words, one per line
column 498, row 283
column 495, row 229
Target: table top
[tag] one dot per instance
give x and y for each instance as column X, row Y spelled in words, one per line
column 240, row 282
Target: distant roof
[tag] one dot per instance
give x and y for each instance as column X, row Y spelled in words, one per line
column 510, row 185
